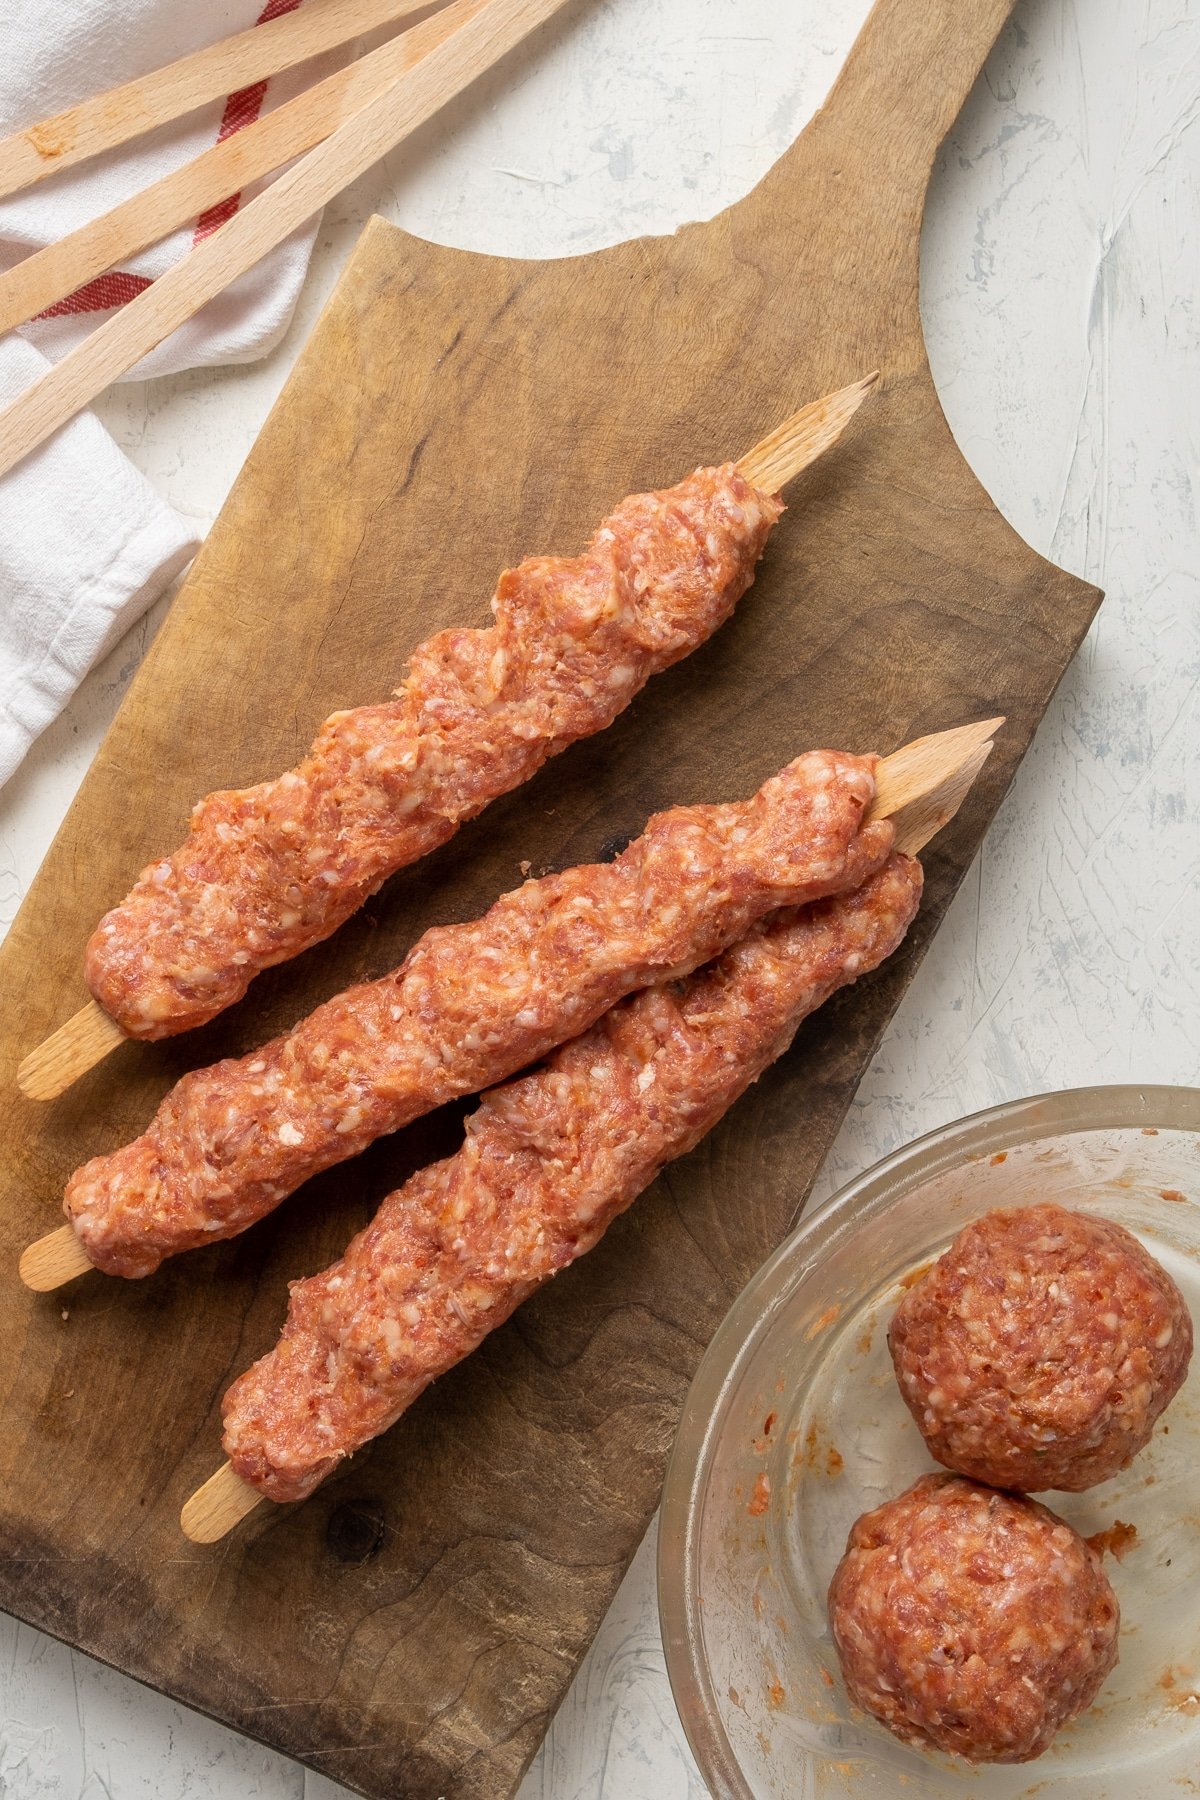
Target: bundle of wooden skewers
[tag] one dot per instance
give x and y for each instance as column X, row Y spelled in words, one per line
column 335, row 130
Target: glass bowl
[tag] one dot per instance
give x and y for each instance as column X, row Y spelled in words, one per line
column 794, row 1426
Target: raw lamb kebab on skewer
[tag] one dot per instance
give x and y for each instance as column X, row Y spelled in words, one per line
column 471, row 1005
column 268, row 871
column 139, row 1201
column 549, row 1161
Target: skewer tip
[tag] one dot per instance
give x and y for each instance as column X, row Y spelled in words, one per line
column 214, row 1509
column 77, row 1046
column 53, row 1260
column 804, row 437
column 924, row 766
column 922, row 819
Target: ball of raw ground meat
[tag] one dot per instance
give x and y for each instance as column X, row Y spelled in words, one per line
column 971, row 1621
column 1039, row 1351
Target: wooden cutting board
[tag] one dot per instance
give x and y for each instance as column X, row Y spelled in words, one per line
column 411, row 1629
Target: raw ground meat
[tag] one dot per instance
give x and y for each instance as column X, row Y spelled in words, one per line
column 1039, row 1351
column 972, row 1621
column 549, row 1161
column 471, row 1005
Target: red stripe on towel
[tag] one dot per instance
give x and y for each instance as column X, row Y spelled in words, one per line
column 112, row 290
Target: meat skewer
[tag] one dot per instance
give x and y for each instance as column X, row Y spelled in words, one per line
column 474, row 1003
column 549, row 1161
column 268, row 871
column 470, row 1005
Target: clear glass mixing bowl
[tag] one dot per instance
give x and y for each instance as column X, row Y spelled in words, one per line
column 794, row 1425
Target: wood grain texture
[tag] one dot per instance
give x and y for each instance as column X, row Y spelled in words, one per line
column 411, row 1628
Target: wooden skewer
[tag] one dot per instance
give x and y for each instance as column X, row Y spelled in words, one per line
column 921, row 769
column 53, row 1261
column 225, row 1499
column 923, row 786
column 923, row 818
column 137, row 106
column 804, row 437
column 88, row 1036
column 216, row 1507
column 46, row 276
column 77, row 1046
column 299, row 192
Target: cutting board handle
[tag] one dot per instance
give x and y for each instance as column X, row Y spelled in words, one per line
column 874, row 141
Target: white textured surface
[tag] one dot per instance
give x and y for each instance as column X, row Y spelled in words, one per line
column 1059, row 271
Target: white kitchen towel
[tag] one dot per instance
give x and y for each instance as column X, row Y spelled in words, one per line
column 52, row 55
column 85, row 546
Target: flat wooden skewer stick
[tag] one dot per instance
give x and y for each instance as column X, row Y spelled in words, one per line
column 39, row 280
column 128, row 111
column 225, row 1499
column 53, row 1260
column 805, row 436
column 245, row 239
column 89, row 1035
column 215, row 1508
column 85, row 1039
column 924, row 817
column 922, row 786
column 919, row 772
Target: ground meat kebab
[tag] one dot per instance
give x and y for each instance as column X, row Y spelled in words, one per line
column 470, row 1006
column 972, row 1621
column 549, row 1161
column 1041, row 1348
column 269, row 870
